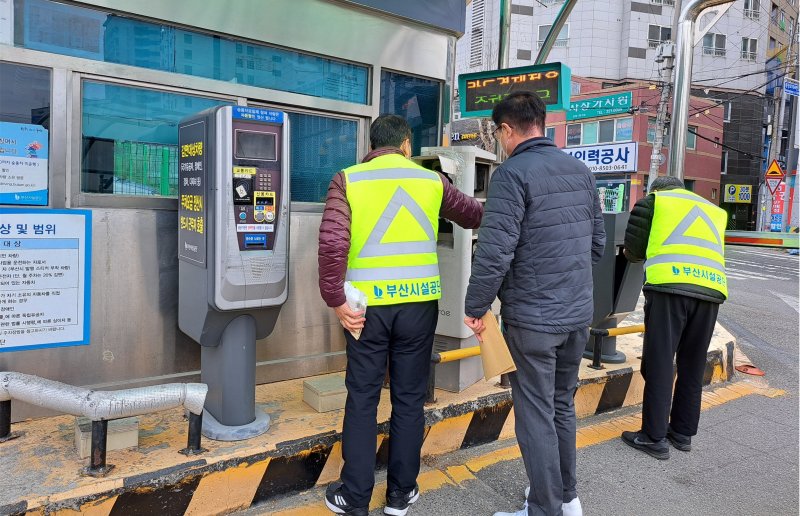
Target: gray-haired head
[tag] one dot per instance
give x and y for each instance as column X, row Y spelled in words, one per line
column 664, row 182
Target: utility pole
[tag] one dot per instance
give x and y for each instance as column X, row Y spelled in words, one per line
column 765, row 196
column 791, row 150
column 666, row 56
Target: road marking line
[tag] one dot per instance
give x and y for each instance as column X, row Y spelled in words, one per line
column 789, row 300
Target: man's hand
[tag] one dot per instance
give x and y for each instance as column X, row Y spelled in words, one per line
column 351, row 320
column 476, row 325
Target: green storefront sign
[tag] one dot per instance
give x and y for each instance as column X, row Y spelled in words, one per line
column 600, row 106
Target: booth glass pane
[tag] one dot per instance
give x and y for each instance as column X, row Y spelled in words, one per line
column 130, row 138
column 24, row 134
column 416, row 100
column 319, row 147
column 102, row 36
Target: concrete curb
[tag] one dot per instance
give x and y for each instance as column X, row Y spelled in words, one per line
column 200, row 488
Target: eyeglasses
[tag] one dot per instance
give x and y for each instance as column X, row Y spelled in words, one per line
column 495, row 130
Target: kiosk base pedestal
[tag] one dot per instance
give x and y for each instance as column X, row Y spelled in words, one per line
column 215, row 430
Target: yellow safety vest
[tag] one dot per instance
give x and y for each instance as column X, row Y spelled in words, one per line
column 394, row 225
column 687, row 242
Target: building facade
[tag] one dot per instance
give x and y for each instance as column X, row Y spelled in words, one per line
column 729, row 64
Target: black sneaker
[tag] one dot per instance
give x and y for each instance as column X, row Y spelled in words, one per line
column 336, row 502
column 679, row 441
column 640, row 441
column 397, row 502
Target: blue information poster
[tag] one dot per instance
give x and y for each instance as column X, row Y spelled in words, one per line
column 23, row 164
column 45, row 276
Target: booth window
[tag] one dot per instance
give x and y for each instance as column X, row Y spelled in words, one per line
column 130, row 138
column 320, row 147
column 24, row 119
column 92, row 34
column 417, row 100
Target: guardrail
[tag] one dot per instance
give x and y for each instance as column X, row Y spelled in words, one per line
column 600, row 334
column 101, row 407
column 762, row 239
column 459, row 354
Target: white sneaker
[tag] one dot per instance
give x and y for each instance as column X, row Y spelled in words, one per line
column 572, row 508
column 521, row 512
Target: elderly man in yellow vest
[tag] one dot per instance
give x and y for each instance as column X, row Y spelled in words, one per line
column 379, row 232
column 680, row 235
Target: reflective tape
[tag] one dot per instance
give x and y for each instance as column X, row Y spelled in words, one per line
column 685, row 259
column 392, row 173
column 393, row 273
column 401, row 199
column 679, row 195
column 678, row 235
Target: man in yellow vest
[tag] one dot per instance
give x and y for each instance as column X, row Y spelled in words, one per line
column 680, row 235
column 379, row 232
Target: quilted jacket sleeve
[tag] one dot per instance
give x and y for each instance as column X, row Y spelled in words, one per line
column 459, row 207
column 497, row 240
column 334, row 243
column 637, row 234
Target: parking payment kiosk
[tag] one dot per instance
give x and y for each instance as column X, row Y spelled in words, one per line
column 233, row 250
column 469, row 169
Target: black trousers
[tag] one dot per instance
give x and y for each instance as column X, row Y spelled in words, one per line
column 679, row 328
column 404, row 334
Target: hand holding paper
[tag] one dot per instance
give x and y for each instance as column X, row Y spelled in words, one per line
column 494, row 350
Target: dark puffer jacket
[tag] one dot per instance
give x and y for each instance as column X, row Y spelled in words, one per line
column 334, row 231
column 637, row 235
column 541, row 233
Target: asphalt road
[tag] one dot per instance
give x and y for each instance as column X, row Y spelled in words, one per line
column 744, row 459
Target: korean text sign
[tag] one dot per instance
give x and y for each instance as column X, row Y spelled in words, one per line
column 610, row 157
column 600, row 106
column 45, row 277
column 480, row 92
column 23, row 164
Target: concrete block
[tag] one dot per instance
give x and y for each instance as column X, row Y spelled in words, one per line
column 122, row 433
column 325, row 393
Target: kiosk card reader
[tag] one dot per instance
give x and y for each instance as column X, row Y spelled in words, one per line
column 233, row 250
column 469, row 169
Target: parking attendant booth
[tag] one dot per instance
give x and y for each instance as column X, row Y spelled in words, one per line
column 103, row 85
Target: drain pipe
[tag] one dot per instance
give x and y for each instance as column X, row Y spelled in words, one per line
column 679, row 126
column 100, row 407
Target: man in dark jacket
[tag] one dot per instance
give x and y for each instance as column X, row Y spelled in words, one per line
column 379, row 232
column 541, row 233
column 681, row 235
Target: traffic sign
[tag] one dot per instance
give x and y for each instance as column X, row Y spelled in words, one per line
column 790, row 86
column 774, row 176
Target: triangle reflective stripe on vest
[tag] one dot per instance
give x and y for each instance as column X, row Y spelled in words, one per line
column 696, row 229
column 375, row 246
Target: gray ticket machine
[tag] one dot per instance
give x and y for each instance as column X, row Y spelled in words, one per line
column 233, row 250
column 469, row 169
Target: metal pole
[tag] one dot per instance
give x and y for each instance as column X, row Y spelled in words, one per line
column 504, row 53
column 97, row 461
column 555, row 30
column 666, row 91
column 5, row 420
column 683, row 82
column 791, row 164
column 193, row 446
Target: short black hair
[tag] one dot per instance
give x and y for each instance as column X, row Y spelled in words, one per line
column 664, row 182
column 388, row 131
column 521, row 110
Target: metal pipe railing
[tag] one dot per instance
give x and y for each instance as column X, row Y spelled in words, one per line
column 100, row 407
column 601, row 333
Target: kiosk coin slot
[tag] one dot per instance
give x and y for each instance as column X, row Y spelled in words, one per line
column 233, row 272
